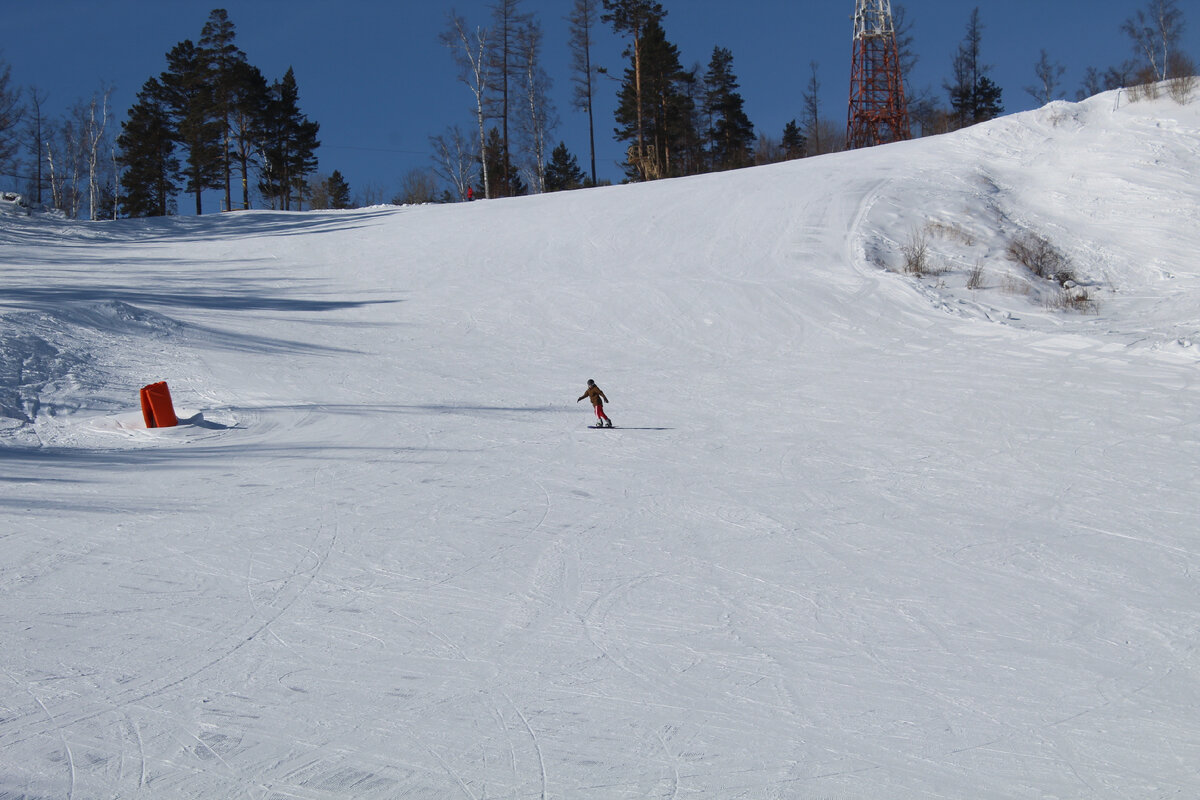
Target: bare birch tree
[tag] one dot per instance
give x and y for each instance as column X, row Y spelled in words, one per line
column 469, row 49
column 455, row 160
column 94, row 132
column 538, row 117
column 1049, row 74
column 1155, row 31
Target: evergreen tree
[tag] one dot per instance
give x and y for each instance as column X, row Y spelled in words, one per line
column 794, row 143
column 630, row 18
column 226, row 66
column 694, row 126
column 496, row 169
column 188, row 98
column 10, row 115
column 657, row 117
column 289, row 144
column 339, row 191
column 731, row 133
column 563, row 171
column 146, row 151
column 987, row 104
column 250, row 98
column 974, row 97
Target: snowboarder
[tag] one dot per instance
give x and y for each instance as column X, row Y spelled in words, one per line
column 596, row 395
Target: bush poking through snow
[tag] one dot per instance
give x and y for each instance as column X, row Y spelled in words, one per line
column 1074, row 298
column 916, row 254
column 975, row 277
column 1180, row 88
column 1042, row 258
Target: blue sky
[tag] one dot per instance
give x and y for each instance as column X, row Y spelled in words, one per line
column 372, row 73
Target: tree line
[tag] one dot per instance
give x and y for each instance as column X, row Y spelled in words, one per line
column 211, row 121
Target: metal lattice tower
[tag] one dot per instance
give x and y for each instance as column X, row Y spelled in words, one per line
column 878, row 112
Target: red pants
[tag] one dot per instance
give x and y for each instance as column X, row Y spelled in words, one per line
column 600, row 413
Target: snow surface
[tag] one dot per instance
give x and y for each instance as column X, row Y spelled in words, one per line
column 861, row 535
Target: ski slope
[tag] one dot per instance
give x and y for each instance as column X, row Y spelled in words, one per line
column 861, row 534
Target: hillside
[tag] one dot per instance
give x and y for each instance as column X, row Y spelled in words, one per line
column 860, row 533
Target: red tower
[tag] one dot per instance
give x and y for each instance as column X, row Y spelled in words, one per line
column 878, row 112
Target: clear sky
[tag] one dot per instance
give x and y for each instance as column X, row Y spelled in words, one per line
column 373, row 74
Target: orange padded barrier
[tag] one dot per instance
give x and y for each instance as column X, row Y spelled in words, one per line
column 157, row 409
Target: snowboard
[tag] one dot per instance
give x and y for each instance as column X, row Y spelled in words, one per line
column 601, row 426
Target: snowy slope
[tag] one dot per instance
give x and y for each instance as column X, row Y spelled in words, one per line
column 862, row 534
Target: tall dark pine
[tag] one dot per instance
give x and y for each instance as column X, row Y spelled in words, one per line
column 732, row 134
column 657, row 117
column 226, row 66
column 563, row 171
column 10, row 115
column 188, row 98
column 146, row 152
column 497, row 170
column 631, row 18
column 289, row 144
column 251, row 95
column 339, row 191
column 974, row 97
column 794, row 142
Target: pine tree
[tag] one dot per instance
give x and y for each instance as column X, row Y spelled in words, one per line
column 226, row 67
column 653, row 113
column 289, row 144
column 563, row 171
column 251, row 96
column 794, row 143
column 496, row 169
column 974, row 97
column 10, row 115
column 339, row 191
column 630, row 18
column 732, row 134
column 146, row 147
column 187, row 96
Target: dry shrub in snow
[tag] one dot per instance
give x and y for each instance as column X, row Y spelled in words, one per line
column 1042, row 258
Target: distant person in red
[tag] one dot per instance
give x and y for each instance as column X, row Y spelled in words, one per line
column 470, row 193
column 598, row 399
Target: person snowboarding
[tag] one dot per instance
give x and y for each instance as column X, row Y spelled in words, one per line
column 596, row 395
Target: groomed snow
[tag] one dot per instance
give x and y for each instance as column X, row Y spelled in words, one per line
column 861, row 534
